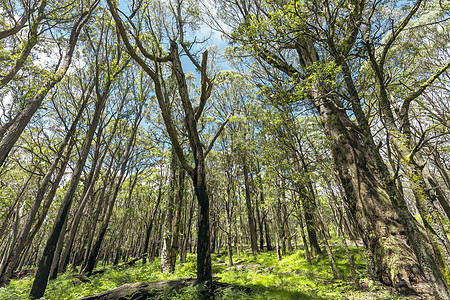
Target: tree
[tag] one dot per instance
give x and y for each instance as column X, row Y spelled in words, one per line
column 191, row 115
column 309, row 31
column 21, row 120
column 102, row 92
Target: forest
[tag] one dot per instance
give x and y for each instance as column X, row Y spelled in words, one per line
column 228, row 149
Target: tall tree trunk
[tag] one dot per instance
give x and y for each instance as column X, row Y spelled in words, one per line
column 302, row 232
column 102, row 206
column 309, row 206
column 204, row 272
column 392, row 235
column 25, row 232
column 51, row 195
column 55, row 263
column 400, row 137
column 166, row 246
column 123, row 168
column 248, row 203
column 285, row 217
column 260, row 219
column 86, row 196
column 267, row 232
column 175, row 243
column 388, row 225
column 187, row 236
column 41, row 279
column 339, row 216
column 150, row 224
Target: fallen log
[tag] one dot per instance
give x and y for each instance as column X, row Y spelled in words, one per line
column 141, row 290
column 145, row 290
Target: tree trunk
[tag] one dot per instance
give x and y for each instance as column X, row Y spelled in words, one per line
column 41, row 279
column 287, row 232
column 123, row 168
column 102, row 205
column 175, row 243
column 204, row 272
column 302, row 232
column 267, row 232
column 187, row 238
column 56, row 258
column 339, row 216
column 438, row 162
column 86, row 196
column 15, row 237
column 260, row 220
column 369, row 201
column 248, row 203
column 50, row 196
column 309, row 207
column 150, row 225
column 166, row 247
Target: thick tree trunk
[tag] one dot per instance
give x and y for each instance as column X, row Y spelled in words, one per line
column 204, row 270
column 386, row 229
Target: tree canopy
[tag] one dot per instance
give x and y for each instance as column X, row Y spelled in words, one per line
column 151, row 130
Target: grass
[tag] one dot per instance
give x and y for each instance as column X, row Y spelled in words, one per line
column 268, row 278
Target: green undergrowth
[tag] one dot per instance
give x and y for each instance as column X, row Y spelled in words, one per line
column 264, row 274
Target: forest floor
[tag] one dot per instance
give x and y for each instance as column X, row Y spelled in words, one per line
column 264, row 275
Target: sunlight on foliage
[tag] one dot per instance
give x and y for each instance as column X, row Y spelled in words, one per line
column 268, row 278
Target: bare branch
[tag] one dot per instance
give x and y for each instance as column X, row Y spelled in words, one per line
column 217, row 134
column 397, row 31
